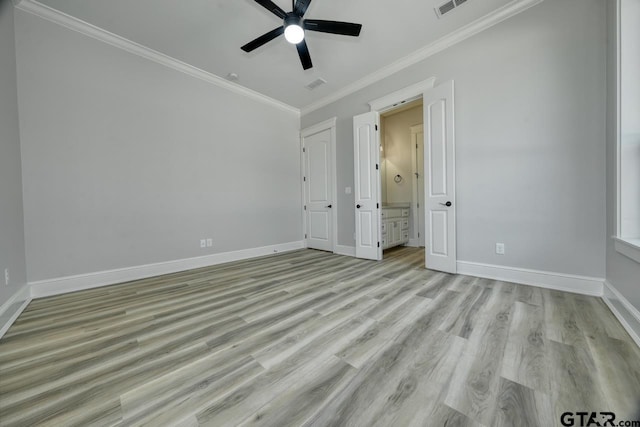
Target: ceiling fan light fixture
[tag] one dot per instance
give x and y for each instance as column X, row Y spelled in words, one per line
column 293, row 31
column 294, row 28
column 294, row 34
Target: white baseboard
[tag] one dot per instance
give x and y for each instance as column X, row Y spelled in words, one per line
column 543, row 279
column 345, row 250
column 630, row 318
column 414, row 243
column 11, row 309
column 44, row 288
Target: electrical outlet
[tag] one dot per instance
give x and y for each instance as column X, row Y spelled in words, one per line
column 209, row 243
column 6, row 276
column 203, row 243
column 500, row 248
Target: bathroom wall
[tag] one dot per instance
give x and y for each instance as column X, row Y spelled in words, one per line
column 397, row 150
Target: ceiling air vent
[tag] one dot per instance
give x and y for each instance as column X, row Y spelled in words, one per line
column 448, row 7
column 314, row 84
column 445, row 8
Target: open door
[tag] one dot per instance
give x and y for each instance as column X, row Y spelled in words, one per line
column 367, row 185
column 439, row 161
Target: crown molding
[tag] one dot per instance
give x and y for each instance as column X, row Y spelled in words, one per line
column 507, row 11
column 80, row 26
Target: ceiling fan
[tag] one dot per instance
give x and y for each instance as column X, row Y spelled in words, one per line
column 294, row 27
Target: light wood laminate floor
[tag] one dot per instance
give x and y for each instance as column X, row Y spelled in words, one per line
column 315, row 339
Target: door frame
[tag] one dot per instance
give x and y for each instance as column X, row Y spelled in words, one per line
column 415, row 130
column 402, row 96
column 394, row 100
column 329, row 124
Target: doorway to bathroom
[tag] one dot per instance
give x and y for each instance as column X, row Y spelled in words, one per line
column 438, row 178
column 402, row 176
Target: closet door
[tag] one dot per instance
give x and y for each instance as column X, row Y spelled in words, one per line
column 318, row 190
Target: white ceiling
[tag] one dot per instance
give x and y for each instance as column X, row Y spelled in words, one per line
column 208, row 34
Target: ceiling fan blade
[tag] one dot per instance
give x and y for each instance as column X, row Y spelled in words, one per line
column 301, row 7
column 272, row 7
column 263, row 39
column 305, row 57
column 333, row 27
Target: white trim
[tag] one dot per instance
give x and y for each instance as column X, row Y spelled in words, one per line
column 454, row 180
column 414, row 243
column 627, row 247
column 329, row 124
column 624, row 247
column 618, row 215
column 303, row 200
column 345, row 250
column 319, row 127
column 544, row 279
column 80, row 26
column 477, row 26
column 407, row 94
column 80, row 282
column 416, row 91
column 611, row 293
column 415, row 130
column 23, row 294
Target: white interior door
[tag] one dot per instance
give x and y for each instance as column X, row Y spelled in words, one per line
column 318, row 190
column 439, row 161
column 417, row 157
column 367, row 185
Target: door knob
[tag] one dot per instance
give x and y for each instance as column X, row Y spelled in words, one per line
column 328, row 206
column 446, row 204
column 358, row 206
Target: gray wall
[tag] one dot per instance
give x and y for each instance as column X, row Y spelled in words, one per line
column 622, row 272
column 530, row 132
column 11, row 216
column 127, row 162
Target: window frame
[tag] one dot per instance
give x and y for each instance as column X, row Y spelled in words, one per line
column 629, row 247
